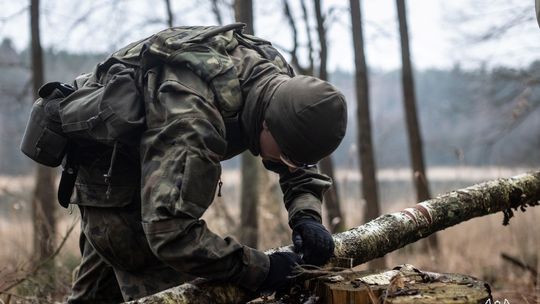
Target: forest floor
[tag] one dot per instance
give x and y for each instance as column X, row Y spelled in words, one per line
column 474, row 248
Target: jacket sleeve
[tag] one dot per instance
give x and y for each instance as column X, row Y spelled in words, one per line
column 180, row 167
column 303, row 189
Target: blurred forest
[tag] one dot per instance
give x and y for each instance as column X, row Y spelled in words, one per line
column 477, row 122
column 469, row 117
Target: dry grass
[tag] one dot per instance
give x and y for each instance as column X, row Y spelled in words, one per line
column 51, row 282
column 472, row 248
column 475, row 248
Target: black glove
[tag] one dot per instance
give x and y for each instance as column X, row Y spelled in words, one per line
column 281, row 266
column 312, row 241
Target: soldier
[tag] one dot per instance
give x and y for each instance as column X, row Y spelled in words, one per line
column 209, row 93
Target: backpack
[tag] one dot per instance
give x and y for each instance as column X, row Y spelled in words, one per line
column 106, row 106
column 204, row 50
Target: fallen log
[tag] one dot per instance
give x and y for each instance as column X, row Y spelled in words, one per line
column 390, row 232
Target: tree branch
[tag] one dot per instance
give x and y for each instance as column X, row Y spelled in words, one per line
column 217, row 12
column 517, row 262
column 170, row 17
column 294, row 56
column 44, row 262
column 311, row 66
column 389, row 232
column 21, row 11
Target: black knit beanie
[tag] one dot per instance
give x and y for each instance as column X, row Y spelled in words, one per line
column 307, row 117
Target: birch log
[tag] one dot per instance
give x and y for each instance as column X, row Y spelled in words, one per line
column 391, row 231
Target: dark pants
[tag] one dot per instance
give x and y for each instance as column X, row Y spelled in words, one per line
column 117, row 262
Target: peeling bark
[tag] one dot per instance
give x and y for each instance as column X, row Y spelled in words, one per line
column 390, row 232
column 416, row 151
column 393, row 231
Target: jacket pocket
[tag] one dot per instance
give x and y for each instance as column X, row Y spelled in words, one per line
column 118, row 237
column 91, row 187
column 199, row 186
column 97, row 196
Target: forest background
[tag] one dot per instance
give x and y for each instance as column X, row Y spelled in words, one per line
column 477, row 82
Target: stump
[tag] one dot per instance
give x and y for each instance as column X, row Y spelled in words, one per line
column 403, row 284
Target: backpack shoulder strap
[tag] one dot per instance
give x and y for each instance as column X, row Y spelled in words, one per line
column 266, row 50
column 204, row 50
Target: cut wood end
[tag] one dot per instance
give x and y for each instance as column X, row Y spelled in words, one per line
column 404, row 284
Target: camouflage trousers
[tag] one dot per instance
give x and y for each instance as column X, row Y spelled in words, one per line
column 117, row 263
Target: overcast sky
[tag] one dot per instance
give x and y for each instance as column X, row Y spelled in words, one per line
column 441, row 31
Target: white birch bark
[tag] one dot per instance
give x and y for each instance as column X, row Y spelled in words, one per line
column 390, row 232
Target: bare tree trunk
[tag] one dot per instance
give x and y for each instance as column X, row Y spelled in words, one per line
column 309, row 70
column 365, row 143
column 390, row 232
column 294, row 51
column 537, row 6
column 243, row 12
column 321, row 32
column 217, row 12
column 272, row 216
column 170, row 17
column 249, row 200
column 44, row 198
column 251, row 166
column 413, row 125
column 308, row 34
column 331, row 198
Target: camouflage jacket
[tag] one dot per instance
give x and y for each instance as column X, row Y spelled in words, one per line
column 193, row 123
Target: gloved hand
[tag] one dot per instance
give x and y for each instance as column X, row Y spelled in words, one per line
column 281, row 266
column 312, row 241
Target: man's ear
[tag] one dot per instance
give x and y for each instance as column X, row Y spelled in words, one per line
column 265, row 126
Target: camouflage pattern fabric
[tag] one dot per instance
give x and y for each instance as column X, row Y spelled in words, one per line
column 117, row 263
column 95, row 280
column 99, row 282
column 180, row 165
column 188, row 134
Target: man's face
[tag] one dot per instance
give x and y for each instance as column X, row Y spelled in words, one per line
column 270, row 150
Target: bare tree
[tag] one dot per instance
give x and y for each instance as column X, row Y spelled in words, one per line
column 333, row 208
column 509, row 93
column 321, row 32
column 170, row 16
column 365, row 143
column 216, row 11
column 309, row 40
column 537, row 6
column 294, row 51
column 251, row 167
column 243, row 12
column 484, row 21
column 295, row 62
column 413, row 125
column 44, row 199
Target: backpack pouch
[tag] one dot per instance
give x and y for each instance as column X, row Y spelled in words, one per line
column 107, row 112
column 40, row 142
column 43, row 140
